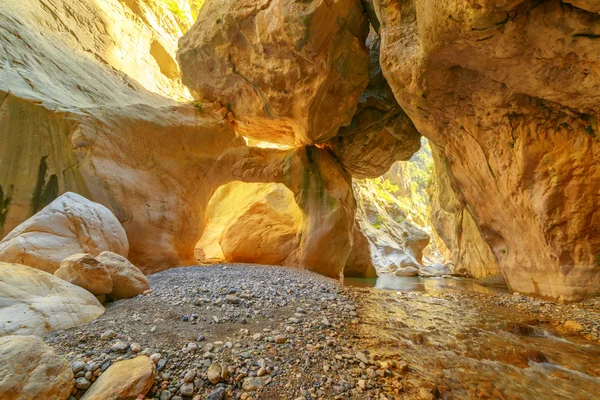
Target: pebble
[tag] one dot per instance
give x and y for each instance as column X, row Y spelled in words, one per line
column 120, row 347
column 280, row 339
column 109, row 334
column 82, row 383
column 214, row 373
column 252, row 384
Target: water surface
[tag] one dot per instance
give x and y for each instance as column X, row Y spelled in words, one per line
column 420, row 284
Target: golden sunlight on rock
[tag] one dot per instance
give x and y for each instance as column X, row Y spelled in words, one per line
column 299, row 199
column 251, row 222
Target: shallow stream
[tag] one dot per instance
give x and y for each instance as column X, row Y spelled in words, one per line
column 470, row 347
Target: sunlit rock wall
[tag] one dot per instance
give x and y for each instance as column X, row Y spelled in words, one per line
column 508, row 91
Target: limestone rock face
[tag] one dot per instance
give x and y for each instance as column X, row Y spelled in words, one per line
column 127, row 280
column 322, row 190
column 115, row 51
column 85, row 271
column 394, row 242
column 87, row 113
column 291, row 71
column 123, row 380
column 252, row 222
column 455, row 226
column 509, row 93
column 359, row 263
column 35, row 302
column 31, row 370
column 380, row 132
column 70, row 224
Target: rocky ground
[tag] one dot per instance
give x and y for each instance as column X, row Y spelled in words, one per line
column 236, row 331
column 264, row 332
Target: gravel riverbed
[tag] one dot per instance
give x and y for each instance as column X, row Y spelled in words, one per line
column 235, row 331
column 238, row 331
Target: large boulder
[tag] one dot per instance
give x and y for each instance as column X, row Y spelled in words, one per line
column 290, row 71
column 252, row 222
column 123, row 380
column 34, row 302
column 70, row 224
column 380, row 132
column 509, row 93
column 127, row 280
column 87, row 272
column 31, row 370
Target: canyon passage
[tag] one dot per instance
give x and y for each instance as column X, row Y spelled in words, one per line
column 280, row 199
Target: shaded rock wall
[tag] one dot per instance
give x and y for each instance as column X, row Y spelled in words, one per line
column 455, row 226
column 380, row 132
column 508, row 92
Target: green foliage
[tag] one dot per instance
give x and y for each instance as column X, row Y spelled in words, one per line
column 5, row 200
column 378, row 222
column 598, row 260
column 174, row 7
column 420, row 171
column 197, row 105
column 589, row 130
column 385, row 189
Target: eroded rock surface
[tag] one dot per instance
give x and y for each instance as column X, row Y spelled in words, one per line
column 291, row 71
column 127, row 280
column 31, row 370
column 85, row 271
column 35, row 302
column 455, row 226
column 252, row 222
column 322, row 191
column 380, row 132
column 394, row 242
column 101, row 125
column 359, row 263
column 70, row 224
column 509, row 94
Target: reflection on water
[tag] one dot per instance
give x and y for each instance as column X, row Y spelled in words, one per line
column 473, row 348
column 419, row 284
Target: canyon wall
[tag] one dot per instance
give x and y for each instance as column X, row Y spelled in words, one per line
column 508, row 92
column 87, row 107
column 455, row 227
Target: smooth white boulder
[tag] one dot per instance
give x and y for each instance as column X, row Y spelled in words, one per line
column 70, row 224
column 33, row 302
